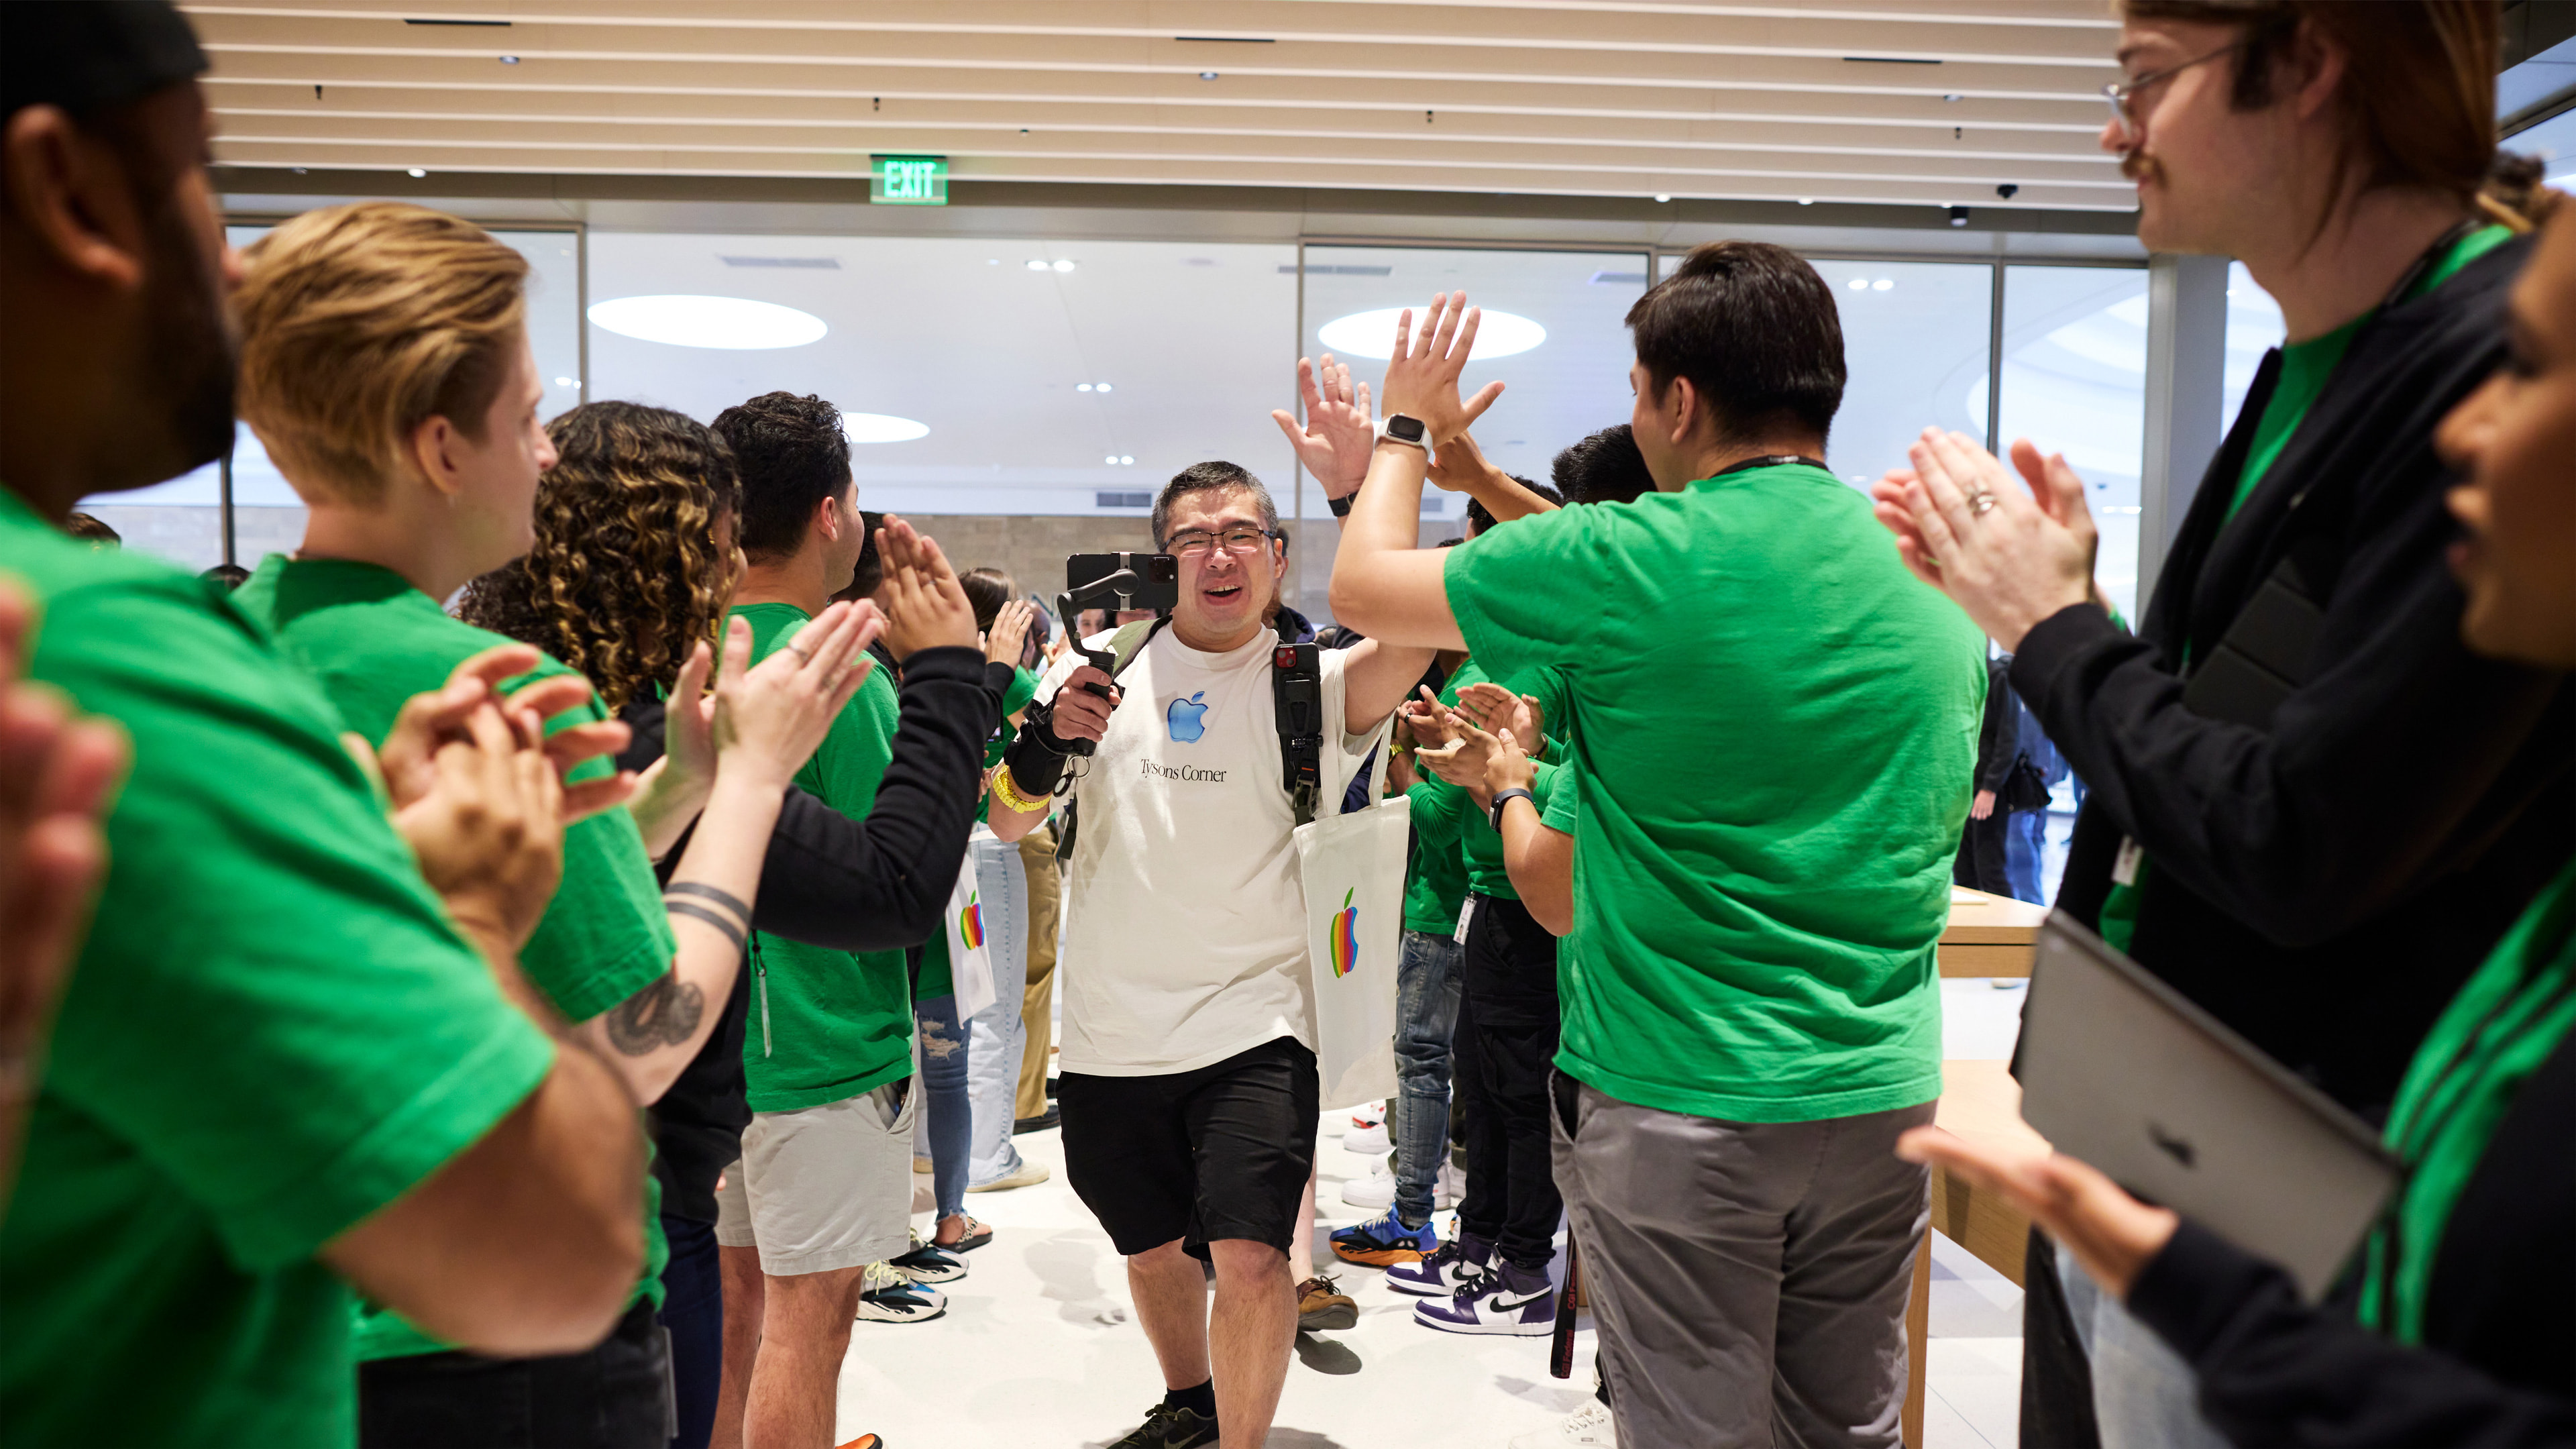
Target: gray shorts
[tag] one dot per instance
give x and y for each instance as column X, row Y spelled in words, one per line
column 823, row 1188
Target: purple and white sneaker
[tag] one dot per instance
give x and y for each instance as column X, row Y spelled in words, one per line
column 1516, row 1301
column 1462, row 1261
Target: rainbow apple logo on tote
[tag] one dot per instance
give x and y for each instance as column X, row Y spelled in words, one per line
column 970, row 921
column 1346, row 936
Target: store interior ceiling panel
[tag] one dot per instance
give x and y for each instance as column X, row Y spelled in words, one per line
column 1993, row 104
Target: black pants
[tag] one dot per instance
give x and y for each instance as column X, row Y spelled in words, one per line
column 1981, row 865
column 693, row 1311
column 613, row 1397
column 1505, row 1047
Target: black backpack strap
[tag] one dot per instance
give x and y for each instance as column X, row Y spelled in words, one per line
column 1124, row 646
column 1297, row 692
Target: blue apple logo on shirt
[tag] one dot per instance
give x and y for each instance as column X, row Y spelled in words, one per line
column 1188, row 719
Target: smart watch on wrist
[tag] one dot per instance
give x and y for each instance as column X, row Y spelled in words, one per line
column 1342, row 506
column 1504, row 797
column 1405, row 430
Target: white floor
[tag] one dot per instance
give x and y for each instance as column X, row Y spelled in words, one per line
column 1040, row 1347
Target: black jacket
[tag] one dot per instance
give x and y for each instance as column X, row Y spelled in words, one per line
column 2325, row 885
column 2498, row 1363
column 873, row 885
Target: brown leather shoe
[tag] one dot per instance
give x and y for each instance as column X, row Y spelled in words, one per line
column 1320, row 1306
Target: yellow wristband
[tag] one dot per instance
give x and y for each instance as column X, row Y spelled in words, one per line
column 1007, row 791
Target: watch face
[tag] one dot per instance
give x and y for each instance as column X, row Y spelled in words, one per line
column 1409, row 429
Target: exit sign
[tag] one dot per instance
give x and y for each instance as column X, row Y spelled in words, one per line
column 908, row 180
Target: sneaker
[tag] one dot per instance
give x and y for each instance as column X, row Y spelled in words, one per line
column 1029, row 1172
column 929, row 1263
column 923, row 1166
column 887, row 1296
column 1367, row 1141
column 1321, row 1306
column 973, row 1236
column 1384, row 1241
column 1373, row 1191
column 1372, row 1115
column 1170, row 1428
column 1516, row 1301
column 1053, row 1116
column 1454, row 1265
column 1583, row 1429
column 864, row 1441
column 1448, row 1187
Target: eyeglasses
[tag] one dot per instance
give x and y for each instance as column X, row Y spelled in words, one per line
column 1195, row 542
column 2123, row 94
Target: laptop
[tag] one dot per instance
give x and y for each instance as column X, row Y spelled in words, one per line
column 2119, row 1070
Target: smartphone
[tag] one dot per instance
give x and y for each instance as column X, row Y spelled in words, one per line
column 1157, row 586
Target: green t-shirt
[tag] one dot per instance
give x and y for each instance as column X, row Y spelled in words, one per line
column 1775, row 728
column 1482, row 844
column 2306, row 367
column 1435, row 878
column 272, row 1032
column 827, row 1025
column 372, row 641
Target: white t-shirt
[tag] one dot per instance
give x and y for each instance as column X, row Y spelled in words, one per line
column 1185, row 922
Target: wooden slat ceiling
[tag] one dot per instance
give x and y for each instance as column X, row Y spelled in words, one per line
column 1931, row 102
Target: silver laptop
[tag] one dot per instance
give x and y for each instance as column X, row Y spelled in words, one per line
column 2118, row 1069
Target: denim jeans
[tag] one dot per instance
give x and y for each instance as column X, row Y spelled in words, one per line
column 693, row 1310
column 999, row 1037
column 1426, row 1012
column 2144, row 1395
column 946, row 1125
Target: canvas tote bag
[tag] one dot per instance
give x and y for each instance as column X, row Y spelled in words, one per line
column 970, row 961
column 1353, row 871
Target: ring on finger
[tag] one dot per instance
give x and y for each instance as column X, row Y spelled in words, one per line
column 1981, row 503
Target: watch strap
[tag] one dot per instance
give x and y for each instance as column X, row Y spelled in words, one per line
column 1504, row 797
column 1341, row 506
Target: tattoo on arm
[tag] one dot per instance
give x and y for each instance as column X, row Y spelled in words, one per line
column 665, row 1013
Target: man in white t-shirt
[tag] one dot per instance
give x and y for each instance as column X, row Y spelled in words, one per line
column 1188, row 1067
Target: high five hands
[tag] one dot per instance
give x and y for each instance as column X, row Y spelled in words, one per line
column 2009, row 555
column 1422, row 375
column 1334, row 444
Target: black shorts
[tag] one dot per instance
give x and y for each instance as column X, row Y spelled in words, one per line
column 1220, row 1152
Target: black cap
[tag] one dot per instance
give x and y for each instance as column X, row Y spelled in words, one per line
column 85, row 55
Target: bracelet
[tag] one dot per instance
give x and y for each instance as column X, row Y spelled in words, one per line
column 1006, row 790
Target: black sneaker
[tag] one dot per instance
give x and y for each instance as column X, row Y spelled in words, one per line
column 1052, row 1117
column 1170, row 1427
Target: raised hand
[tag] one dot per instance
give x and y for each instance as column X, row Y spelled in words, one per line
column 1010, row 633
column 488, row 831
column 926, row 608
column 1422, row 375
column 1500, row 711
column 2008, row 555
column 1334, row 444
column 58, row 776
column 1459, row 466
column 767, row 721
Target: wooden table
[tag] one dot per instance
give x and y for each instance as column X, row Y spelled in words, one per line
column 1988, row 935
column 1980, row 1101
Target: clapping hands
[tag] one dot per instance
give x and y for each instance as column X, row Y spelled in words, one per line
column 2010, row 555
column 926, row 608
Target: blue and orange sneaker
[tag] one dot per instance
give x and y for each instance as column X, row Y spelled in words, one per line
column 1511, row 1300
column 1459, row 1263
column 1384, row 1241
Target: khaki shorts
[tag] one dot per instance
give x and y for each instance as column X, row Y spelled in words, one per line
column 823, row 1188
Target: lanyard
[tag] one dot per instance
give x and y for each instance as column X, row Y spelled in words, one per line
column 1774, row 460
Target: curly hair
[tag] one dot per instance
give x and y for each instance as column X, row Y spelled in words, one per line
column 794, row 454
column 624, row 578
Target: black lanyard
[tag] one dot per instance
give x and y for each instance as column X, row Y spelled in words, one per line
column 1775, row 460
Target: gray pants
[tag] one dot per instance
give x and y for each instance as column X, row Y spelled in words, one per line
column 1749, row 1280
column 2144, row 1395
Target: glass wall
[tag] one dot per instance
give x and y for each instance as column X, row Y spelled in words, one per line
column 182, row 519
column 1915, row 340
column 2075, row 382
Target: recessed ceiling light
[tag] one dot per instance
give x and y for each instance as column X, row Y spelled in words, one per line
column 1104, row 387
column 1125, row 461
column 1037, row 264
column 1111, row 460
column 1663, row 196
column 1806, row 201
column 1372, row 334
column 1082, row 387
column 416, row 171
column 1883, row 284
column 737, row 323
column 992, row 261
column 1063, row 264
column 567, row 382
column 881, row 428
column 1860, row 284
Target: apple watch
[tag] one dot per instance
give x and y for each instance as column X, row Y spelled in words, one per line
column 1504, row 797
column 1405, row 430
column 1342, row 506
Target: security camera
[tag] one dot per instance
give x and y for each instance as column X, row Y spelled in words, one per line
column 2007, row 190
column 1958, row 216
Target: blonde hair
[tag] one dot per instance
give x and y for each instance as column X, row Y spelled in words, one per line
column 360, row 323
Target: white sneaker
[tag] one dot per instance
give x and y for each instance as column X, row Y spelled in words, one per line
column 1449, row 1188
column 1374, row 1192
column 887, row 1296
column 1372, row 1115
column 1585, row 1427
column 1368, row 1141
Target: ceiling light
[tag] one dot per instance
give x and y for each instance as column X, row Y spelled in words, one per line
column 992, row 261
column 1207, row 75
column 728, row 322
column 416, row 171
column 509, row 60
column 1806, row 201
column 1952, row 97
column 1064, row 264
column 1104, row 387
column 1037, row 264
column 1372, row 334
column 567, row 382
column 881, row 428
column 1125, row 460
column 1883, row 284
column 1082, row 387
column 1663, row 196
column 1860, row 284
column 1111, row 460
